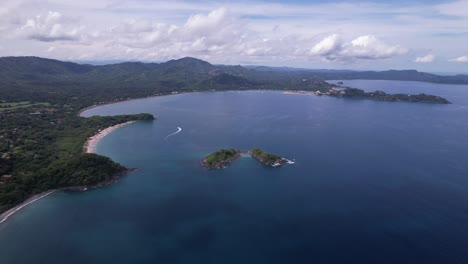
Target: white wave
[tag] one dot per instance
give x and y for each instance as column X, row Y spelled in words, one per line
column 290, row 161
column 175, row 133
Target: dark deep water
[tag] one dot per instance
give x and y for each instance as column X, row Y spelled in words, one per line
column 374, row 182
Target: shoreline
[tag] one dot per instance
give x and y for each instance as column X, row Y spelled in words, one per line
column 35, row 198
column 91, row 142
column 4, row 216
column 127, row 100
column 81, row 111
column 104, row 104
column 89, row 147
column 300, row 92
column 222, row 164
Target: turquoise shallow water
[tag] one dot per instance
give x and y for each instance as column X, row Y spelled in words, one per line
column 374, row 182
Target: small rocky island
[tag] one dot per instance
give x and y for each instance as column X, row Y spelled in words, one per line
column 222, row 158
column 266, row 158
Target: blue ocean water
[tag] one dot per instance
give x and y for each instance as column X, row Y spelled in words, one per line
column 373, row 182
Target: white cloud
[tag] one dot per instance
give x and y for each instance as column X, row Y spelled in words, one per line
column 251, row 32
column 364, row 41
column 326, row 46
column 214, row 32
column 371, row 48
column 204, row 24
column 460, row 59
column 221, row 34
column 425, row 59
column 367, row 47
column 49, row 27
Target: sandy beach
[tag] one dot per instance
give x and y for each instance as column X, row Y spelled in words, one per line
column 90, row 147
column 35, row 198
column 91, row 143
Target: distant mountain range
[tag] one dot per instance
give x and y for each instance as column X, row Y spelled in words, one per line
column 34, row 68
column 399, row 75
column 40, row 79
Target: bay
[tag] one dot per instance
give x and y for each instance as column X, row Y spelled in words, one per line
column 373, row 182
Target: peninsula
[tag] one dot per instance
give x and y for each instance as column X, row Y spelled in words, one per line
column 382, row 96
column 59, row 153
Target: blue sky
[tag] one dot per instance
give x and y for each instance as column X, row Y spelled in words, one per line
column 426, row 35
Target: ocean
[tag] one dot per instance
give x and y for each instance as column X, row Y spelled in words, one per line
column 373, row 182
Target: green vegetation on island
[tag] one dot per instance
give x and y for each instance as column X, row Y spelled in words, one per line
column 221, row 158
column 382, row 96
column 266, row 158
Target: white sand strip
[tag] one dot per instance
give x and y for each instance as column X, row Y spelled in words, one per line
column 15, row 209
column 91, row 143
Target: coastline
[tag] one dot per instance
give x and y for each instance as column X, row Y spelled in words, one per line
column 4, row 216
column 130, row 99
column 223, row 163
column 91, row 142
column 284, row 91
column 300, row 92
column 89, row 147
column 190, row 92
column 108, row 103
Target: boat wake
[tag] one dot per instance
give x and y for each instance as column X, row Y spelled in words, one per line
column 175, row 133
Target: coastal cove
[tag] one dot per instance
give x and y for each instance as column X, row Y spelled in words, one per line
column 90, row 148
column 343, row 195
